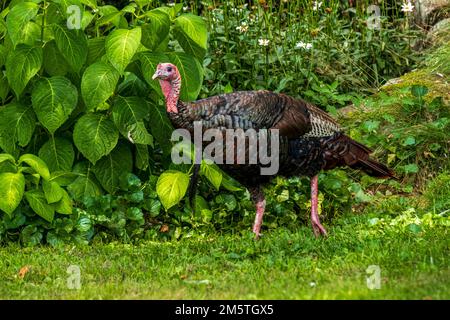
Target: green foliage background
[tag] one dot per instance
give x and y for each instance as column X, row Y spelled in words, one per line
column 84, row 138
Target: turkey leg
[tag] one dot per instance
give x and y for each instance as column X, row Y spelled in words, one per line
column 315, row 221
column 260, row 203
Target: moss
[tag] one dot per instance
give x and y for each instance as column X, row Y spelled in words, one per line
column 437, row 84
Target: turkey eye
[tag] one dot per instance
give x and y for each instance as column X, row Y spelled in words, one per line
column 169, row 69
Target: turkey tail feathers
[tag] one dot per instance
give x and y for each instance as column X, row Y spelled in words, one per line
column 374, row 168
column 341, row 150
column 365, row 163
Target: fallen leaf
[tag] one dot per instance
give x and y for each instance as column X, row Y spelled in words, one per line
column 164, row 228
column 23, row 271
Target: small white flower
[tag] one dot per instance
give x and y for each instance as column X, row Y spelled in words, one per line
column 263, row 42
column 317, row 5
column 303, row 45
column 242, row 28
column 300, row 45
column 312, row 284
column 185, row 8
column 407, row 7
column 171, row 4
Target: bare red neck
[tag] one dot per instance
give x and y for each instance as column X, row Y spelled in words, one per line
column 171, row 91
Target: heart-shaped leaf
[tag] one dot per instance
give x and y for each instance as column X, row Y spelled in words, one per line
column 12, row 187
column 190, row 31
column 18, row 18
column 72, row 44
column 156, row 30
column 37, row 164
column 98, row 84
column 53, row 101
column 109, row 168
column 58, row 154
column 121, row 45
column 191, row 72
column 22, row 64
column 36, row 200
column 95, row 136
column 18, row 121
column 171, row 187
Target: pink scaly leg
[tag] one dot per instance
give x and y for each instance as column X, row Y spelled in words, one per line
column 260, row 202
column 315, row 221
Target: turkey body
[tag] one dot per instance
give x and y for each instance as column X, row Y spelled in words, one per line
column 309, row 139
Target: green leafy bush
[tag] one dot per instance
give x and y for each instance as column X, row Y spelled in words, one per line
column 80, row 110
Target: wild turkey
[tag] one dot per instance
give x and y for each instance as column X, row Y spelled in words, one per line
column 310, row 140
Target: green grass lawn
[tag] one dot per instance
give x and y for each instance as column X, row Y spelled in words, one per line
column 282, row 265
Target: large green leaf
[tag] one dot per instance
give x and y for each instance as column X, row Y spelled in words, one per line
column 18, row 18
column 7, row 157
column 109, row 168
column 37, row 164
column 54, row 62
column 18, row 122
column 128, row 113
column 64, row 205
column 4, row 87
column 86, row 184
column 63, row 178
column 98, row 84
column 31, row 33
column 53, row 100
column 156, row 30
column 138, row 133
column 12, row 187
column 190, row 31
column 121, row 45
column 96, row 49
column 149, row 62
column 212, row 172
column 161, row 127
column 191, row 72
column 95, row 136
column 3, row 55
column 52, row 191
column 21, row 65
column 36, row 200
column 132, row 85
column 58, row 154
column 110, row 14
column 7, row 144
column 72, row 44
column 171, row 187
column 142, row 157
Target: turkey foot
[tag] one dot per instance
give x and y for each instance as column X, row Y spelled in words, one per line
column 260, row 203
column 318, row 229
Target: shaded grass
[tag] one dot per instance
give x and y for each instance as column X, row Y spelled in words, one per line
column 283, row 265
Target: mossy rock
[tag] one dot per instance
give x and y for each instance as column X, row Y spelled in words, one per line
column 437, row 83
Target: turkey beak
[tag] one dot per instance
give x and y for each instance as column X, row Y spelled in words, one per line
column 156, row 75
